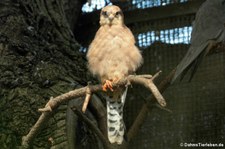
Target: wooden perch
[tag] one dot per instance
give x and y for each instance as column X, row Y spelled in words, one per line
column 53, row 103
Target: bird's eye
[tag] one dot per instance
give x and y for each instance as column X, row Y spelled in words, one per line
column 118, row 13
column 104, row 13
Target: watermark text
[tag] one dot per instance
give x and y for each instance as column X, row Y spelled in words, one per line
column 206, row 145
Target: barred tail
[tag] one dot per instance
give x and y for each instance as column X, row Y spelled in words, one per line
column 115, row 123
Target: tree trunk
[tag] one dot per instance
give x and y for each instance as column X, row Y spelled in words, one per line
column 39, row 58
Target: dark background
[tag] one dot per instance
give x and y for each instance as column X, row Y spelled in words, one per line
column 42, row 54
column 198, row 107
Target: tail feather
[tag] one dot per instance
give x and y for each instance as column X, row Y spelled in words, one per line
column 115, row 121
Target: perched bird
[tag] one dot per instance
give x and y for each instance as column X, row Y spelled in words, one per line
column 112, row 55
column 208, row 30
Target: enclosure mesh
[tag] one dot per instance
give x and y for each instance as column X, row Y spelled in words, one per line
column 93, row 5
column 198, row 107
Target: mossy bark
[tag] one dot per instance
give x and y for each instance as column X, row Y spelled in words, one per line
column 39, row 58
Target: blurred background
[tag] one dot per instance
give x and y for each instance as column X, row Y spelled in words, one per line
column 162, row 29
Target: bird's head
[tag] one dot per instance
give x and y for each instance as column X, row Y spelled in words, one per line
column 111, row 15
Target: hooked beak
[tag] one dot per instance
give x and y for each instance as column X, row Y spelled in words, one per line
column 111, row 17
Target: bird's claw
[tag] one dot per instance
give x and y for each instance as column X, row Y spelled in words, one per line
column 107, row 85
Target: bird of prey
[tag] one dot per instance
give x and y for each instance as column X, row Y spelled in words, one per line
column 208, row 30
column 112, row 55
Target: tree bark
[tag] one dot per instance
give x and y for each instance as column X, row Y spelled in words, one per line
column 39, row 58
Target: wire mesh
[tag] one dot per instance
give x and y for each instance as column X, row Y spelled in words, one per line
column 198, row 107
column 142, row 4
column 93, row 5
column 170, row 36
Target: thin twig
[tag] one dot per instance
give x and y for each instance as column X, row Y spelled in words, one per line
column 53, row 103
column 163, row 108
column 148, row 83
column 47, row 107
column 87, row 98
column 145, row 76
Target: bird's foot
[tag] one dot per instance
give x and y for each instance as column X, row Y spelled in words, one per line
column 107, row 85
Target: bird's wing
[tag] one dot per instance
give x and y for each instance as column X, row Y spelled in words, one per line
column 208, row 26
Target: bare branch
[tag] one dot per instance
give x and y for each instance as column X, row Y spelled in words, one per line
column 99, row 111
column 91, row 125
column 53, row 103
column 138, row 122
column 86, row 100
column 148, row 83
column 145, row 108
column 164, row 84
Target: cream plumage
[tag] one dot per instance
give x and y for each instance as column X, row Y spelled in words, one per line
column 113, row 55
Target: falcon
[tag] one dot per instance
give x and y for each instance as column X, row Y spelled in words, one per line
column 112, row 55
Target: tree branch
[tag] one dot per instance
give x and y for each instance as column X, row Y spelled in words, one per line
column 165, row 83
column 87, row 99
column 91, row 125
column 53, row 103
column 139, row 79
column 99, row 111
column 145, row 108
